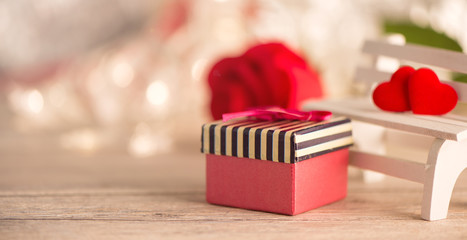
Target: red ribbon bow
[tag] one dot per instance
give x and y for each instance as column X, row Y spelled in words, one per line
column 277, row 113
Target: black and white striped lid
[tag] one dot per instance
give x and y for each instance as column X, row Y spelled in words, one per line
column 287, row 141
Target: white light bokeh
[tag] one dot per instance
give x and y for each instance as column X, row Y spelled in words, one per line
column 144, row 142
column 122, row 73
column 198, row 69
column 28, row 102
column 35, row 101
column 157, row 93
column 84, row 140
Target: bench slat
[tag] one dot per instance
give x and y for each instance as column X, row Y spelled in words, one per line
column 461, row 89
column 364, row 110
column 454, row 61
column 369, row 76
column 400, row 168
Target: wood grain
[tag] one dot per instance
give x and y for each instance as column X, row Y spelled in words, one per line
column 50, row 193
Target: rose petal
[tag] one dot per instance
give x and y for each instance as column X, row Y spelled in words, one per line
column 231, row 97
column 266, row 74
column 275, row 81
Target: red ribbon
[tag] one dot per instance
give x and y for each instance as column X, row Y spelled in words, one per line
column 277, row 113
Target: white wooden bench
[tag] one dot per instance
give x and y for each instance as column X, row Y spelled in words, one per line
column 446, row 156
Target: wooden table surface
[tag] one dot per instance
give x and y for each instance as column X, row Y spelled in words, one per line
column 50, row 193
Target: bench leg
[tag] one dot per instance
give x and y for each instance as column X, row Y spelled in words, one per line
column 445, row 164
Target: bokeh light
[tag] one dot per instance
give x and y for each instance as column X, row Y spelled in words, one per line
column 157, row 93
column 35, row 101
column 135, row 70
column 122, row 73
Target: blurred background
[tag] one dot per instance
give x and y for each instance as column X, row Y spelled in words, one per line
column 91, row 76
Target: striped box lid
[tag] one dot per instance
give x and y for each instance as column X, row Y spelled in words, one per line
column 285, row 141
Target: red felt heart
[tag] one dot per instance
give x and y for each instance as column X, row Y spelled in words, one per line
column 394, row 95
column 428, row 95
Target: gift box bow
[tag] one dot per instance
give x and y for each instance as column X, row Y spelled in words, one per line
column 278, row 113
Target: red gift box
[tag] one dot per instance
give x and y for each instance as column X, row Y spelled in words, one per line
column 285, row 166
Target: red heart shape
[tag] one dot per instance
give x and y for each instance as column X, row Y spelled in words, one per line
column 394, row 95
column 428, row 95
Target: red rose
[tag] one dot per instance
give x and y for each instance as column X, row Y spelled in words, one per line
column 265, row 75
